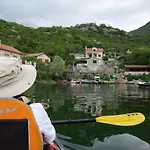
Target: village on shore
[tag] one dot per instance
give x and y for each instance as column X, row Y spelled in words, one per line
column 89, row 68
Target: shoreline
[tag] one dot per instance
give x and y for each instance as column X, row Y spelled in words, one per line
column 68, row 82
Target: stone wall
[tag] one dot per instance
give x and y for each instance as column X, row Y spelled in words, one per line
column 95, row 66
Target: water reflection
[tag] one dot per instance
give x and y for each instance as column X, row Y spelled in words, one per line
column 88, row 105
column 114, row 142
column 88, row 98
column 86, row 101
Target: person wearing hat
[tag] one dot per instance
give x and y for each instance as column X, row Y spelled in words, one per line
column 15, row 79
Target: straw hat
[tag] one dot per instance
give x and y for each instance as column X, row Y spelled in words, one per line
column 15, row 78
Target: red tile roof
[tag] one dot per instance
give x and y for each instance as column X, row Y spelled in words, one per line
column 9, row 48
column 98, row 49
column 136, row 66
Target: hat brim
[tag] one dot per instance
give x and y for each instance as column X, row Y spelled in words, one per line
column 23, row 84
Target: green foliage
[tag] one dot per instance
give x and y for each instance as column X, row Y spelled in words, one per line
column 138, row 58
column 57, row 67
column 142, row 30
column 41, row 67
column 108, row 77
column 143, row 77
column 33, row 59
column 42, row 75
column 62, row 41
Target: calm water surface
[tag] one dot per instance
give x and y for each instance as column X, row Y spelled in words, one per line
column 87, row 101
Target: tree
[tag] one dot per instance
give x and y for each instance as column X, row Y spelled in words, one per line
column 57, row 67
column 62, row 41
column 138, row 58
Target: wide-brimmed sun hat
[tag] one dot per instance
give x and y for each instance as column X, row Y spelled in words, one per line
column 15, row 78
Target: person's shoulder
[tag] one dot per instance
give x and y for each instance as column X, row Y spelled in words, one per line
column 36, row 105
column 38, row 109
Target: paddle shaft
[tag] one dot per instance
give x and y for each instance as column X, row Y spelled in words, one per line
column 73, row 121
column 128, row 119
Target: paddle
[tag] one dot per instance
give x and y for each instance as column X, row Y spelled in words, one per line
column 129, row 119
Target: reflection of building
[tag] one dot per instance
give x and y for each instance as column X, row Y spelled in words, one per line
column 89, row 105
column 94, row 108
column 111, row 105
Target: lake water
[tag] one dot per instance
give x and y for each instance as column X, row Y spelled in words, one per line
column 87, row 101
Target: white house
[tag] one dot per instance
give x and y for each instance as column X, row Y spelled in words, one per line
column 78, row 55
column 9, row 51
column 94, row 52
column 94, row 60
column 41, row 56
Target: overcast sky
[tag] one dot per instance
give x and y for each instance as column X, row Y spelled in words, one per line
column 123, row 14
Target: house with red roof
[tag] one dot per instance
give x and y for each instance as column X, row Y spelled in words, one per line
column 9, row 51
column 93, row 61
column 94, row 52
column 41, row 56
column 136, row 69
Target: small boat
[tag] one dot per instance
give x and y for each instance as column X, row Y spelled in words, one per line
column 143, row 84
column 97, row 80
column 86, row 81
column 74, row 81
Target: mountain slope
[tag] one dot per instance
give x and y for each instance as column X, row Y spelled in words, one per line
column 61, row 41
column 144, row 30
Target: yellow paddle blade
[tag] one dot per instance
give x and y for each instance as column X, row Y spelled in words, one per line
column 129, row 119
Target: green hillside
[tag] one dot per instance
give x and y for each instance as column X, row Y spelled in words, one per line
column 62, row 41
column 144, row 30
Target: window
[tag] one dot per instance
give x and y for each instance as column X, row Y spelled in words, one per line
column 95, row 55
column 90, row 55
column 46, row 60
column 40, row 59
column 99, row 55
column 14, row 56
column 94, row 61
column 6, row 54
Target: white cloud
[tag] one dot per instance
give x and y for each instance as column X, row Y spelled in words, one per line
column 124, row 14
